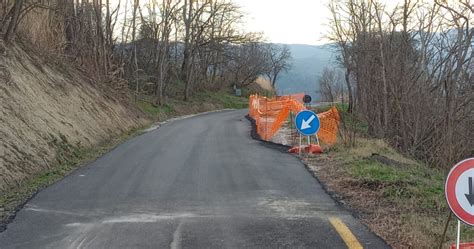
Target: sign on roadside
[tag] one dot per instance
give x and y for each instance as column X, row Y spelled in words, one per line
column 307, row 123
column 459, row 191
column 307, row 99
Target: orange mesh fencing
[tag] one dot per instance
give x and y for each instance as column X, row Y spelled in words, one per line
column 298, row 97
column 270, row 114
column 329, row 125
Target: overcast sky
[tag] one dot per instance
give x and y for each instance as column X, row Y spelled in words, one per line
column 287, row 21
column 291, row 21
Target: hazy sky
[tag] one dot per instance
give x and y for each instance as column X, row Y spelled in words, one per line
column 287, row 21
column 291, row 21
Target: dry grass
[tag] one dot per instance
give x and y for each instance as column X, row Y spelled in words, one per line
column 36, row 27
column 399, row 199
column 53, row 121
column 368, row 146
column 45, row 102
column 264, row 83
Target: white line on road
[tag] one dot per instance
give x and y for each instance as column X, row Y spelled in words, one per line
column 176, row 243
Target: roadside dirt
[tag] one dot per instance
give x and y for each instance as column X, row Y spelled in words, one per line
column 364, row 199
column 47, row 105
column 400, row 212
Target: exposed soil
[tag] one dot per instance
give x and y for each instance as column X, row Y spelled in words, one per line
column 42, row 103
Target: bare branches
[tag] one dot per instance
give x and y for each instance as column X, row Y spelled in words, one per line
column 191, row 43
column 279, row 58
column 194, row 44
column 246, row 63
column 413, row 87
column 330, row 84
column 10, row 22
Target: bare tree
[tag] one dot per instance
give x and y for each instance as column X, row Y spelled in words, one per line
column 279, row 59
column 343, row 37
column 159, row 42
column 136, row 4
column 10, row 20
column 330, row 85
column 410, row 70
column 247, row 63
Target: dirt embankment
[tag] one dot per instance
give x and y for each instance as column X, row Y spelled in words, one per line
column 45, row 105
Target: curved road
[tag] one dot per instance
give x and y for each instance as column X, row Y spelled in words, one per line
column 200, row 182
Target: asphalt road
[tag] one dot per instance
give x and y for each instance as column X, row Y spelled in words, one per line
column 200, row 182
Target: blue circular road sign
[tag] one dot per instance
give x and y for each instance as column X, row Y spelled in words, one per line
column 307, row 122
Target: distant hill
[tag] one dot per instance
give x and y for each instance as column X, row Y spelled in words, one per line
column 308, row 63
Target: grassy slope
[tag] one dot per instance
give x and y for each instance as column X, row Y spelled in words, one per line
column 71, row 157
column 399, row 198
column 200, row 102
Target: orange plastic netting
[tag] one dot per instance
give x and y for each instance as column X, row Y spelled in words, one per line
column 329, row 125
column 270, row 114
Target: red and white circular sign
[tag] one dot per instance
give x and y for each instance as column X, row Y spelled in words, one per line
column 459, row 190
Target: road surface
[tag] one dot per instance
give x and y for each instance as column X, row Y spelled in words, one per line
column 200, row 182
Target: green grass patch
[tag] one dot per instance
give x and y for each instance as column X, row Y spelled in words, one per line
column 369, row 170
column 342, row 107
column 408, row 193
column 175, row 107
column 320, row 108
column 227, row 100
column 350, row 120
column 412, row 184
column 407, row 182
column 155, row 112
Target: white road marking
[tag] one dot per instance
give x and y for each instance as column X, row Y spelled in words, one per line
column 176, row 243
column 146, row 218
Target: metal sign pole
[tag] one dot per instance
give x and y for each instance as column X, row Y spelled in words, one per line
column 300, row 145
column 266, row 118
column 291, row 127
column 458, row 238
column 307, row 123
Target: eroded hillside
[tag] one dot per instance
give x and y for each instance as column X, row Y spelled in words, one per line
column 45, row 105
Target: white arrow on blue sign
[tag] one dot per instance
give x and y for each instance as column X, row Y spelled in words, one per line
column 307, row 123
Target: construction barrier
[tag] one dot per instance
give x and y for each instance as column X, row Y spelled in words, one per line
column 469, row 245
column 270, row 114
column 329, row 126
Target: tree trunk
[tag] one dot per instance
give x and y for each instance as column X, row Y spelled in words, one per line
column 12, row 25
column 186, row 67
column 349, row 90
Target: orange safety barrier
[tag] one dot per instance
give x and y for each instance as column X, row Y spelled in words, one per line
column 270, row 114
column 329, row 126
column 469, row 245
column 312, row 148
